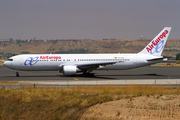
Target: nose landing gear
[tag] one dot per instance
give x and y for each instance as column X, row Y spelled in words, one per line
column 17, row 73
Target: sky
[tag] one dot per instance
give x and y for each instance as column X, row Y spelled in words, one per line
column 88, row 19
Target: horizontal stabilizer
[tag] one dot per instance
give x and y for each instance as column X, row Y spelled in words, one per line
column 155, row 59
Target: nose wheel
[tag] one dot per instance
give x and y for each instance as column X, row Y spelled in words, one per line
column 17, row 73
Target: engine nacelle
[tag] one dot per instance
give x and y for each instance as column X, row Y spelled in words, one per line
column 69, row 70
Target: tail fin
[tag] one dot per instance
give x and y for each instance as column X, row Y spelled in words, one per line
column 156, row 46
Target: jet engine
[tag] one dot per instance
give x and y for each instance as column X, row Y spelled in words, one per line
column 69, row 70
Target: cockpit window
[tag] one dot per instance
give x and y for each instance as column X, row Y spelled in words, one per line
column 10, row 60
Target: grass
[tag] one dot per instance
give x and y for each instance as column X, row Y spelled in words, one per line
column 12, row 83
column 67, row 103
column 165, row 64
column 118, row 112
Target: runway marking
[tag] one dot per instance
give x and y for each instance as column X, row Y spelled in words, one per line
column 76, row 79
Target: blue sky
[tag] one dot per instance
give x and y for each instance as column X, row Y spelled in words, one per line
column 88, row 19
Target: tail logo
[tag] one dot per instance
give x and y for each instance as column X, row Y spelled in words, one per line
column 158, row 47
column 155, row 43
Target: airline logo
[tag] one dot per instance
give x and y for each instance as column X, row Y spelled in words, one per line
column 157, row 44
column 158, row 47
column 50, row 57
column 33, row 60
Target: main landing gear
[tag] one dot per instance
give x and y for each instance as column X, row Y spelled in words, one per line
column 88, row 73
column 17, row 73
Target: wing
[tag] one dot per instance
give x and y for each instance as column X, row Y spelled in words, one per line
column 94, row 65
column 90, row 65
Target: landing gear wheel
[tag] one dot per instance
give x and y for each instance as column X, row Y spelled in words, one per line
column 91, row 74
column 17, row 75
column 88, row 74
column 84, row 73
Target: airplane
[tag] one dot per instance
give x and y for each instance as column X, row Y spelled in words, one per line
column 70, row 64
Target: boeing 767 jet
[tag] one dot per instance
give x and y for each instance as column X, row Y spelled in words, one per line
column 69, row 64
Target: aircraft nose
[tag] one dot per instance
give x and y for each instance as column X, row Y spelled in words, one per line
column 6, row 63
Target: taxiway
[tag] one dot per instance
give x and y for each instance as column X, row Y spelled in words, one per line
column 158, row 75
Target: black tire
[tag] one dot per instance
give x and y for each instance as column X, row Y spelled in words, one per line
column 92, row 74
column 88, row 74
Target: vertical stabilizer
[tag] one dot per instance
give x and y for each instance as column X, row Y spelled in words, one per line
column 156, row 46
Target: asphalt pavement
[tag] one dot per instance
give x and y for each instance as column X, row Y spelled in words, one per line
column 153, row 72
column 143, row 75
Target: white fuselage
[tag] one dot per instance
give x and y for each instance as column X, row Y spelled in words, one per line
column 54, row 62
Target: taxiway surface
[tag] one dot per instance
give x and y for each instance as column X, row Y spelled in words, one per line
column 143, row 75
column 153, row 72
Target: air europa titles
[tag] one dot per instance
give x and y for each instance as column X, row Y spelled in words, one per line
column 50, row 57
column 155, row 42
